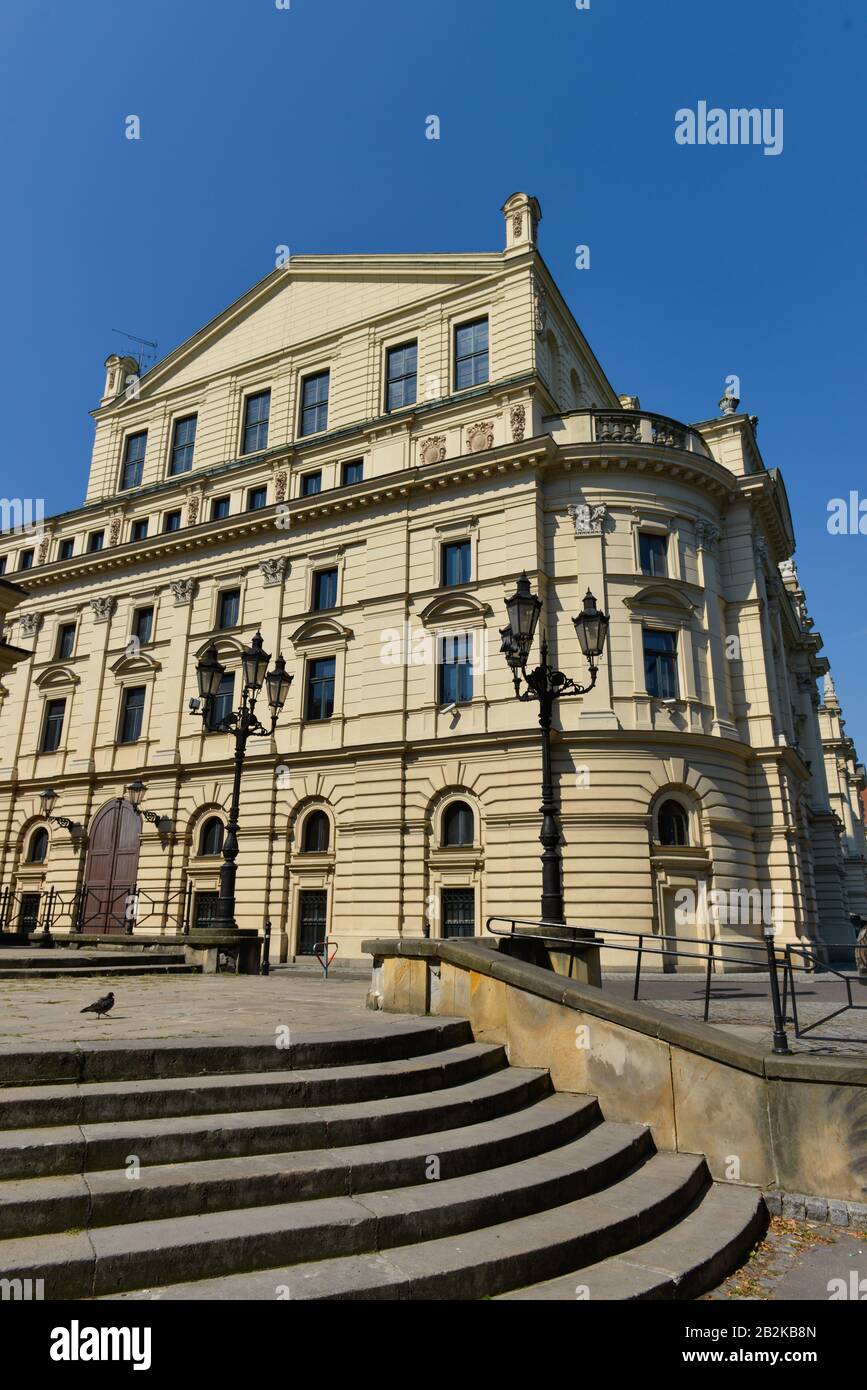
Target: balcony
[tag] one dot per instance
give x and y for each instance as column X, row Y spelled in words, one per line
column 626, row 427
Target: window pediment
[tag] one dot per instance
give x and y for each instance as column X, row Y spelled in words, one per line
column 320, row 631
column 228, row 648
column 450, row 609
column 662, row 596
column 57, row 677
column 141, row 665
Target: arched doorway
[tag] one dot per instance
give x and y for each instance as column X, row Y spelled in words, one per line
column 112, row 866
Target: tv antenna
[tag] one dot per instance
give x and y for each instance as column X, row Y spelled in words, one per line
column 144, row 358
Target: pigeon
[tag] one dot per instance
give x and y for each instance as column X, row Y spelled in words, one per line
column 101, row 1007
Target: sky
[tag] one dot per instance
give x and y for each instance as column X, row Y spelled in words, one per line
column 265, row 123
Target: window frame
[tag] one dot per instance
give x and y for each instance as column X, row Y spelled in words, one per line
column 457, row 805
column 126, row 710
column 218, row 501
column 50, row 720
column 458, row 358
column 310, row 680
column 62, row 629
column 672, row 656
column 351, row 463
column 315, row 816
column 140, row 523
column 137, row 613
column 256, row 490
column 247, row 424
column 126, row 461
column 403, row 376
column 661, row 537
column 176, row 448
column 175, row 515
column 463, row 544
column 305, row 478
column 222, row 594
column 464, row 669
column 307, row 380
column 315, row 606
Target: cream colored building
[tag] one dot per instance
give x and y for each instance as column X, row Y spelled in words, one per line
column 360, row 456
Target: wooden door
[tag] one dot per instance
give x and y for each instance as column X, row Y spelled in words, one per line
column 112, row 866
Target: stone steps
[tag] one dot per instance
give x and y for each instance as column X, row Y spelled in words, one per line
column 98, row 971
column 399, row 1159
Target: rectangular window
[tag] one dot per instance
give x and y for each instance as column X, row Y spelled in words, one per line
column 143, row 624
column 402, row 376
column 139, row 530
column 2, row 564
column 133, row 459
column 320, row 688
column 311, row 483
column 314, row 403
column 229, row 608
column 25, row 560
column 471, row 354
column 221, row 705
column 312, row 919
column 183, row 442
column 352, row 472
column 28, row 917
column 652, row 552
column 65, row 641
column 53, row 726
column 172, row 521
column 325, row 589
column 67, row 549
column 458, row 911
column 206, row 908
column 95, row 542
column 257, row 411
column 660, row 664
column 132, row 714
column 455, row 669
column 257, row 498
column 456, row 563
column 219, row 508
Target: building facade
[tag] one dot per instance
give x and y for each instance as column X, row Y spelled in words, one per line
column 359, row 458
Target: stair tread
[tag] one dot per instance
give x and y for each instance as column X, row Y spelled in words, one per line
column 727, row 1220
column 404, row 1270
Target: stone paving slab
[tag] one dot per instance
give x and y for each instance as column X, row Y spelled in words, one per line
column 805, row 1261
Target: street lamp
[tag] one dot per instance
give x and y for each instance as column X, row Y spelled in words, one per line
column 49, row 801
column 241, row 724
column 135, row 791
column 546, row 685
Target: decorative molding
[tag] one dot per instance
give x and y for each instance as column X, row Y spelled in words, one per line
column 194, row 502
column 432, row 449
column 480, row 436
column 518, row 422
column 540, row 308
column 707, row 536
column 184, row 591
column 587, row 520
column 103, row 606
column 281, row 480
column 29, row 624
column 114, row 526
column 788, row 570
column 275, row 569
column 517, row 224
column 42, row 552
column 760, row 550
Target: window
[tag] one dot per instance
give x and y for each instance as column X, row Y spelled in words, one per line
column 673, row 824
column 312, row 920
column 317, row 833
column 67, row 549
column 183, row 442
column 38, row 850
column 211, row 838
column 132, row 713
column 325, row 589
column 133, row 459
column 455, row 670
column 53, row 726
column 257, row 410
column 320, row 688
column 660, row 664
column 652, row 551
column 456, row 563
column 219, row 508
column 28, row 917
column 206, row 908
column 458, row 824
column 402, row 376
column 139, row 530
column 65, row 641
column 221, row 705
column 311, row 483
column 458, row 912
column 25, row 560
column 471, row 354
column 352, row 472
column 314, row 403
column 257, row 498
column 2, row 564
column 172, row 521
column 143, row 625
column 229, row 608
column 95, row 542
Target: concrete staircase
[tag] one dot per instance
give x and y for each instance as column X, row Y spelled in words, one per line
column 403, row 1160
column 108, row 963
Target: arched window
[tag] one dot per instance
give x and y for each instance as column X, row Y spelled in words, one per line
column 211, row 838
column 458, row 824
column 38, row 851
column 317, row 833
column 673, row 824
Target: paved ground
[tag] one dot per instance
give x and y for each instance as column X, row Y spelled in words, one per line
column 181, row 1006
column 741, row 1004
column 802, row 1261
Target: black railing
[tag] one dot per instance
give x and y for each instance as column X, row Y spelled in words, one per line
column 583, row 938
column 90, row 911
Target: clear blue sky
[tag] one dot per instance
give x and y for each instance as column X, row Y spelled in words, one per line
column 305, row 126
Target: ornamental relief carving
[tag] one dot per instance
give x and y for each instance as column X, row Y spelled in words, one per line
column 103, row 607
column 114, row 528
column 194, row 502
column 42, row 552
column 707, row 536
column 280, row 482
column 274, row 569
column 480, row 436
column 184, row 591
column 517, row 224
column 432, row 449
column 518, row 422
column 587, row 520
column 540, row 309
column 29, row 624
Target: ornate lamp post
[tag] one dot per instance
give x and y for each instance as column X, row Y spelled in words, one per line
column 49, row 801
column 135, row 791
column 546, row 685
column 241, row 723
